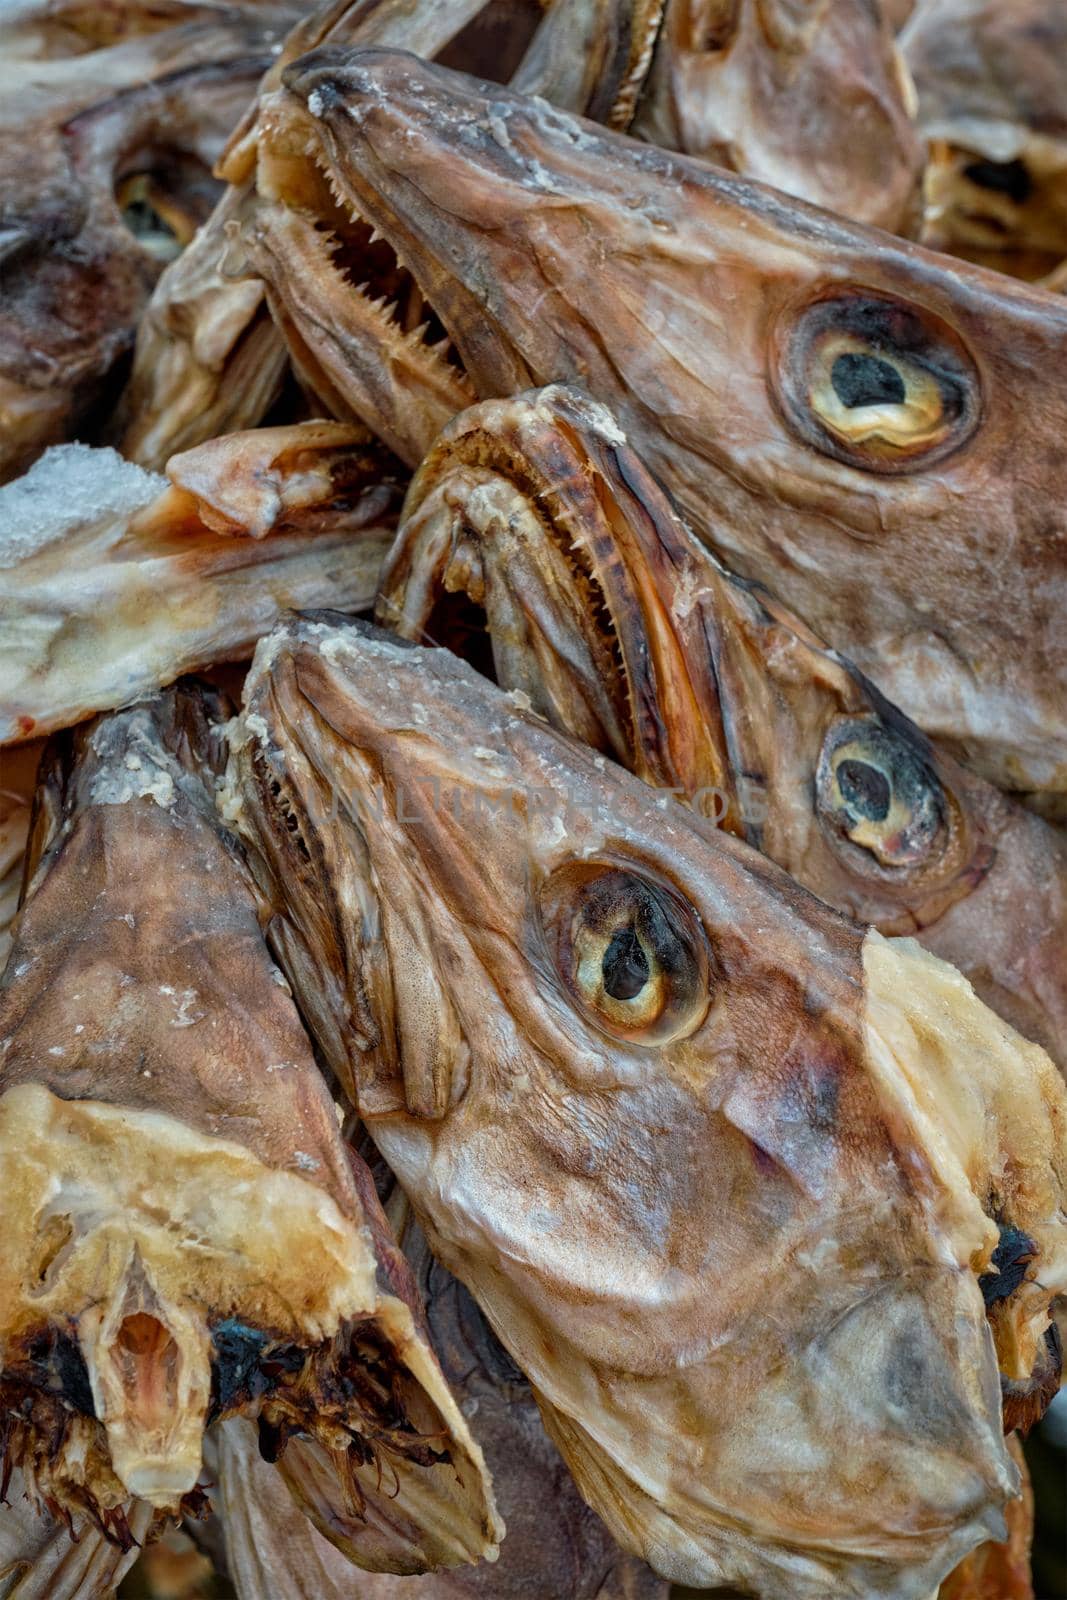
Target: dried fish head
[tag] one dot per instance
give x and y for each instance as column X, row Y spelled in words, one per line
column 718, row 1166
column 992, row 88
column 532, row 527
column 106, row 174
column 187, row 1236
column 814, row 99
column 870, row 432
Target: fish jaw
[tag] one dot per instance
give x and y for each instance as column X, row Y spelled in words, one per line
column 629, row 635
column 611, row 1272
column 188, row 1235
column 535, row 510
column 714, row 294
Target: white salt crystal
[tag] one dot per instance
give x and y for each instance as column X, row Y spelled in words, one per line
column 70, row 486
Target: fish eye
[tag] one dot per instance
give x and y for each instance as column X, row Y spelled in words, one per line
column 874, row 789
column 876, row 383
column 628, row 950
column 1010, row 178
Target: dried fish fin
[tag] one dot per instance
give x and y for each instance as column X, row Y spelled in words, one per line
column 112, row 584
column 271, row 1546
column 41, row 1558
column 592, row 57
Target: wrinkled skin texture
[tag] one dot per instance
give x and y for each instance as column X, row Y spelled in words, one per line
column 720, row 315
column 625, row 632
column 812, row 99
column 107, row 173
column 209, row 357
column 377, row 355
column 992, row 86
column 102, row 602
column 724, row 1179
column 186, row 1235
column 554, row 1545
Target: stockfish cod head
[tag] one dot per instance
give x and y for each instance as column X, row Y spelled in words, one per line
column 533, row 529
column 187, row 1236
column 719, row 1166
column 871, row 432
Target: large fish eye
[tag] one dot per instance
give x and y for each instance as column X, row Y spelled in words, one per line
column 629, row 950
column 874, row 789
column 876, row 383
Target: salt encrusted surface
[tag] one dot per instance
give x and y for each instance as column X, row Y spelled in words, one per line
column 70, row 486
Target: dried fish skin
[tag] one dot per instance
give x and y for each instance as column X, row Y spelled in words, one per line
column 700, row 1211
column 816, row 101
column 720, row 314
column 625, row 632
column 114, row 581
column 41, row 1558
column 209, row 359
column 554, row 1545
column 188, row 1236
column 107, row 173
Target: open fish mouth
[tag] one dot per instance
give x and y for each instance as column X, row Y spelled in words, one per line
column 187, row 1236
column 324, row 260
column 553, row 251
column 347, row 737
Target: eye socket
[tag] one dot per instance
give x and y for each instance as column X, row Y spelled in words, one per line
column 163, row 206
column 876, row 383
column 874, row 789
column 1010, row 178
column 629, row 951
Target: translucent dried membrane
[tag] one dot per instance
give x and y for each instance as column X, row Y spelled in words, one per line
column 188, row 1237
column 752, row 1227
column 114, row 581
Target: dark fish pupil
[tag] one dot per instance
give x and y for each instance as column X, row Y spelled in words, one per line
column 625, row 965
column 864, row 790
column 866, row 381
column 1003, row 177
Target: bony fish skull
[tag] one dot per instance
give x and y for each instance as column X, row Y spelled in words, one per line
column 678, row 1126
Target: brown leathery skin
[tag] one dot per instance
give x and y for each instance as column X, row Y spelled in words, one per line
column 814, row 100
column 720, row 314
column 991, row 81
column 628, row 634
column 209, row 359
column 187, row 1235
column 108, row 173
column 706, row 1197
